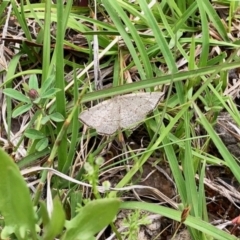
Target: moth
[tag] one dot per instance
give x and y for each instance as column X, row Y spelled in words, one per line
column 121, row 112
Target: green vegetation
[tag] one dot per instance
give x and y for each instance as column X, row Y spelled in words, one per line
column 57, row 58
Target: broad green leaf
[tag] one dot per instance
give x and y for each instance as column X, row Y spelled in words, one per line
column 16, row 95
column 34, row 134
column 33, row 82
column 20, row 110
column 57, row 117
column 43, row 214
column 92, row 218
column 15, row 201
column 50, row 93
column 56, row 223
column 42, row 144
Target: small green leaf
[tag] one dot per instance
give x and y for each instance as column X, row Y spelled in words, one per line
column 36, row 101
column 45, row 119
column 34, row 134
column 33, row 82
column 91, row 219
column 47, row 83
column 57, row 117
column 25, row 87
column 7, row 231
column 42, row 144
column 20, row 110
column 50, row 93
column 16, row 95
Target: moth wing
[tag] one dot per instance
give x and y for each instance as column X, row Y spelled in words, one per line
column 101, row 117
column 135, row 107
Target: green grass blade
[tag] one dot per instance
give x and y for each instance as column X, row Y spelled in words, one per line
column 136, row 37
column 75, row 131
column 113, row 8
column 188, row 168
column 215, row 19
column 192, row 222
column 21, row 19
column 62, row 17
column 205, row 35
column 46, row 41
column 148, row 83
column 231, row 162
column 160, row 39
